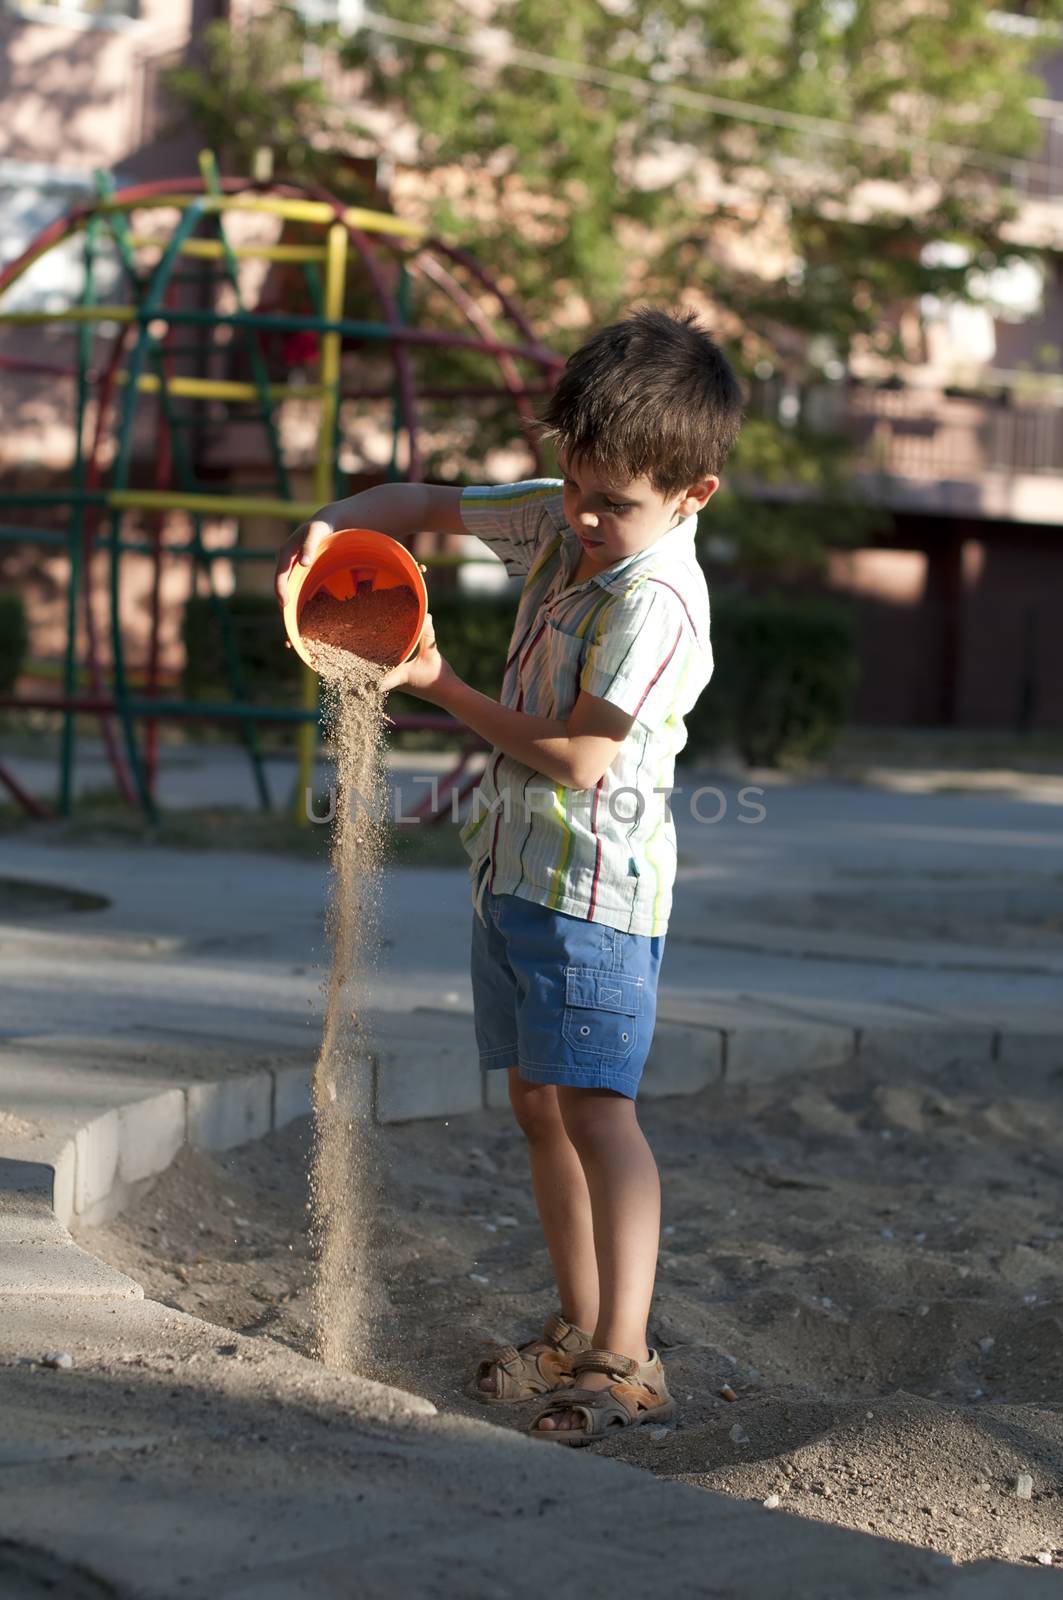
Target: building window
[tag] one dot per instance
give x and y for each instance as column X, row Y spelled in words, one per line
column 78, row 13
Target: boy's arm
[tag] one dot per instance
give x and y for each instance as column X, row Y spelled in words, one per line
column 398, row 509
column 575, row 752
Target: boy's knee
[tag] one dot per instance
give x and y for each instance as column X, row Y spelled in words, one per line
column 535, row 1107
column 591, row 1116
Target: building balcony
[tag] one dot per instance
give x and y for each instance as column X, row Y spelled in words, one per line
column 926, row 451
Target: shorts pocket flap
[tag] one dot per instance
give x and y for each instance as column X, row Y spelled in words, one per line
column 603, row 991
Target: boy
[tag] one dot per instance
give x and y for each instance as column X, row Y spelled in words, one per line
column 571, row 840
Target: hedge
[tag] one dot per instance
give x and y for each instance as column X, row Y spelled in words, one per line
column 14, row 637
column 785, row 668
column 268, row 671
column 784, row 679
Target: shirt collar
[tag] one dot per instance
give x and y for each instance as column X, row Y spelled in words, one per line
column 617, row 578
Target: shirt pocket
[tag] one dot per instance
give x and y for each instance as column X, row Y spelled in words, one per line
column 601, row 1012
column 565, row 654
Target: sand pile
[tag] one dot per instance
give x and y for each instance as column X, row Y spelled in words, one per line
column 352, row 642
column 870, row 1259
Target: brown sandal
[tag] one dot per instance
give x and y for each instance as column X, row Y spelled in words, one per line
column 537, row 1367
column 639, row 1394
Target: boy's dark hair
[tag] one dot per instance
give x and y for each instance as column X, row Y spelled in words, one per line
column 652, row 396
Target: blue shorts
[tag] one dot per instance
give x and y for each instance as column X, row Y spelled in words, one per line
column 563, row 1000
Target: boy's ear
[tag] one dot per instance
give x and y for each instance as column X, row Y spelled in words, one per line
column 698, row 496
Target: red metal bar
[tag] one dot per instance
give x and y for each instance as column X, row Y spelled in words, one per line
column 29, row 803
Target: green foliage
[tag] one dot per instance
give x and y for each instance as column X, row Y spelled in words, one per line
column 257, row 88
column 572, row 156
column 13, row 640
column 784, row 677
column 785, row 671
column 561, row 194
column 474, row 633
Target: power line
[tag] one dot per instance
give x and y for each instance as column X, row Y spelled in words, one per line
column 694, row 99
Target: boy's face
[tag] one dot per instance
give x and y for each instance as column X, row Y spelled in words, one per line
column 616, row 520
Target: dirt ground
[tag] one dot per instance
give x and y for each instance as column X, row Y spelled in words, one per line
column 873, row 1263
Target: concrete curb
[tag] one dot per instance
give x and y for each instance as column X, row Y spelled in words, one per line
column 90, row 1174
column 423, row 1066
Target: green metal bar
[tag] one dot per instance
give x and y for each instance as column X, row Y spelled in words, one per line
column 47, row 536
column 214, row 711
column 402, row 307
column 208, row 167
column 52, row 497
column 150, row 308
column 76, row 526
column 201, row 557
column 195, row 547
column 312, row 279
column 234, row 668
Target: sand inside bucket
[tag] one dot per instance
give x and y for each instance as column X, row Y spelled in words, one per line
column 376, row 626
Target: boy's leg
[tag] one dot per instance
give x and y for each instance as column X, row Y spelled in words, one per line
column 625, row 1199
column 562, row 1199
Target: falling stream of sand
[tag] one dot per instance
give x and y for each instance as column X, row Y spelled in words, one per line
column 353, row 643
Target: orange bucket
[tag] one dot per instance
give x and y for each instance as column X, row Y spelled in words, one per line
column 346, row 562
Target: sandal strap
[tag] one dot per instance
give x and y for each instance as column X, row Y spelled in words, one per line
column 607, row 1361
column 507, row 1356
column 565, row 1335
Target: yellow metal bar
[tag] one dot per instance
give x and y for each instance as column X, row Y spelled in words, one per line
column 223, row 388
column 72, row 314
column 331, row 346
column 380, row 222
column 209, row 505
column 306, row 749
column 335, row 290
column 271, row 205
column 212, row 249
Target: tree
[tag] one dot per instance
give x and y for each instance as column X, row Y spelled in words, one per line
column 255, row 98
column 570, row 147
column 586, row 191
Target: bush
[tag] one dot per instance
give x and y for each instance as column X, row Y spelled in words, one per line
column 474, row 632
column 13, row 640
column 782, row 687
column 784, row 678
column 266, row 669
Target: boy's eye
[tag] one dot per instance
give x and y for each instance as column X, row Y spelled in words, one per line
column 613, row 505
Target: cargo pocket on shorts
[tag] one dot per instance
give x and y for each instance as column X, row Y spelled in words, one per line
column 601, row 1011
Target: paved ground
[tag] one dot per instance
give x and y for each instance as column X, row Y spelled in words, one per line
column 226, row 946
column 174, row 1461
column 165, row 1467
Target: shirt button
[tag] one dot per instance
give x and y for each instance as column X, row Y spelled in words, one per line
column 585, row 1031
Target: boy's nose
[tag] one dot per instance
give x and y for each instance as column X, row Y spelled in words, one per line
column 588, row 519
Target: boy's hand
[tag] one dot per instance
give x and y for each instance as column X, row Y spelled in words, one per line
column 426, row 674
column 302, row 547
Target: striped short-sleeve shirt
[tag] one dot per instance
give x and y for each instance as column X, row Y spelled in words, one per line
column 636, row 635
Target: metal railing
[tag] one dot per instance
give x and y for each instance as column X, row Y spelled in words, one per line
column 924, row 433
